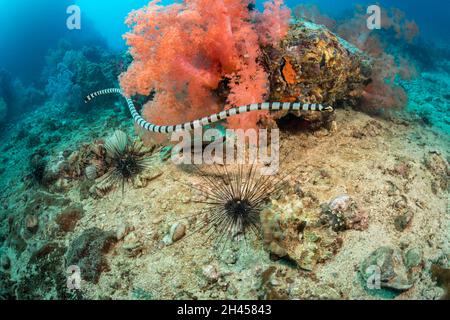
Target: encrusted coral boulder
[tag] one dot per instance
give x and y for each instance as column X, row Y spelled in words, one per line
column 315, row 66
column 293, row 231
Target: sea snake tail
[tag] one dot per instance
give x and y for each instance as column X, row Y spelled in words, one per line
column 269, row 106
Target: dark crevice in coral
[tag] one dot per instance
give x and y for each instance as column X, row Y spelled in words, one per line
column 293, row 124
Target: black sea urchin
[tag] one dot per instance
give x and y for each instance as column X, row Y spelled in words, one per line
column 234, row 201
column 125, row 159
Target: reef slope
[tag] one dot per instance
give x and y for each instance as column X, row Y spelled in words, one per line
column 395, row 171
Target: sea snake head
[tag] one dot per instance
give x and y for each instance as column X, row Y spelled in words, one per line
column 328, row 108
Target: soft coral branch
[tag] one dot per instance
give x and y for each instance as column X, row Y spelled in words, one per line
column 273, row 23
column 382, row 92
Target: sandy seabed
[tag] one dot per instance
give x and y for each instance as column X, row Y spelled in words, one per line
column 389, row 167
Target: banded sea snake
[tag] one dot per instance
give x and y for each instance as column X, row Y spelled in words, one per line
column 269, row 106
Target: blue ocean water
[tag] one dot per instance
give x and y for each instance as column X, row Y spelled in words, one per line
column 30, row 28
column 432, row 16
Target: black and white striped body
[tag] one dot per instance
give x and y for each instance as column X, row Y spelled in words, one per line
column 268, row 106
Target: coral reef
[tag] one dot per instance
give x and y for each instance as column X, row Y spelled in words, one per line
column 73, row 73
column 387, row 66
column 381, row 90
column 368, row 194
column 17, row 97
column 217, row 49
column 70, row 73
column 297, row 62
column 311, row 12
column 313, row 65
column 429, row 99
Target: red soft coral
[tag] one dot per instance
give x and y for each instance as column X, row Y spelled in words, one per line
column 273, row 23
column 380, row 95
column 185, row 51
column 382, row 92
column 354, row 29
